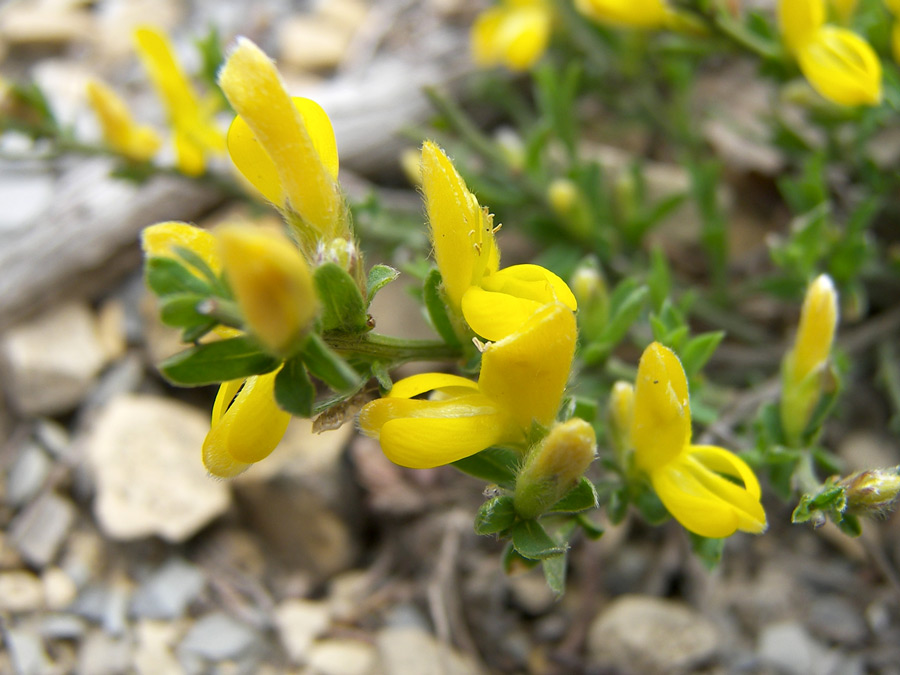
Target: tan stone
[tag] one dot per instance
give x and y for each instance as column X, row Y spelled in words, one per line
column 312, row 42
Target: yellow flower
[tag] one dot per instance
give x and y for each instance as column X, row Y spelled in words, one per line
column 522, row 380
column 804, row 364
column 495, row 303
column 285, row 147
column 120, row 132
column 271, row 283
column 247, row 425
column 689, row 479
column 195, row 133
column 839, row 64
column 513, row 34
column 647, row 14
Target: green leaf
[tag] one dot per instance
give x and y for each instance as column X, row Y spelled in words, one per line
column 437, row 310
column 381, row 373
column 180, row 310
column 554, row 569
column 194, row 333
column 495, row 465
column 580, row 498
column 698, row 351
column 617, row 507
column 343, row 307
column 294, row 391
column 660, row 279
column 850, row 525
column 495, row 515
column 166, row 276
column 326, row 365
column 514, row 563
column 624, row 315
column 379, row 277
column 591, row 529
column 218, row 361
column 709, row 551
column 198, row 263
column 532, row 541
column 651, row 507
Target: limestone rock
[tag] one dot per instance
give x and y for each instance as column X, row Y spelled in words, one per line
column 312, row 42
column 299, row 622
column 20, row 591
column 343, row 657
column 51, row 361
column 217, row 637
column 639, row 635
column 144, row 452
column 407, row 649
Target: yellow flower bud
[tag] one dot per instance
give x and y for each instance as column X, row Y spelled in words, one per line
column 562, row 194
column 271, row 282
column 120, row 132
column 873, row 492
column 646, row 14
column 589, row 288
column 554, row 467
column 621, row 417
column 804, row 364
column 411, row 164
column 513, row 34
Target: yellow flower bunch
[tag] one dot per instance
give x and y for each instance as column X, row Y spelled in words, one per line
column 195, row 131
column 120, row 132
column 525, row 310
column 285, row 147
column 803, row 366
column 839, row 64
column 514, row 34
column 274, row 290
column 689, row 479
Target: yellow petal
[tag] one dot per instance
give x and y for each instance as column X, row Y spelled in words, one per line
column 189, row 157
column 224, row 398
column 525, row 373
column 462, row 234
column 422, row 443
column 815, row 334
column 271, row 282
column 255, row 90
column 704, row 502
column 662, row 414
column 512, row 35
column 647, row 14
column 484, row 36
column 725, row 462
column 252, row 160
column 841, row 66
column 532, row 282
column 494, row 316
column 158, row 240
column 419, row 384
column 248, row 431
column 120, row 131
column 799, row 20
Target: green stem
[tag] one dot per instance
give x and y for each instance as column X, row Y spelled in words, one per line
column 390, row 349
column 738, row 33
column 805, row 478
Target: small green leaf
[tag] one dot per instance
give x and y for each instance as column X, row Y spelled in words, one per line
column 495, row 515
column 850, row 525
column 218, row 361
column 326, row 365
column 554, row 569
column 381, row 373
column 495, row 465
column 580, row 498
column 194, row 333
column 591, row 529
column 514, row 563
column 709, row 551
column 343, row 307
column 294, row 392
column 532, row 541
column 166, row 276
column 379, row 277
column 437, row 310
column 198, row 263
column 698, row 351
column 651, row 507
column 617, row 506
column 624, row 315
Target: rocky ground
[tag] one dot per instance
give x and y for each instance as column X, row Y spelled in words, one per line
column 118, row 554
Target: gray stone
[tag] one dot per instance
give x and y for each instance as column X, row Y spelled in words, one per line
column 27, row 474
column 411, row 650
column 51, row 362
column 531, row 592
column 217, row 637
column 20, row 591
column 105, row 604
column 24, row 195
column 835, row 618
column 27, row 652
column 55, row 439
column 169, row 591
column 145, row 455
column 62, row 627
column 101, row 654
column 299, row 622
column 647, row 636
column 39, row 530
column 786, row 645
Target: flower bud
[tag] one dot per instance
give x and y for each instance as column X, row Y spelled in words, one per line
column 621, row 417
column 411, row 164
column 271, row 282
column 589, row 288
column 804, row 364
column 562, row 193
column 873, row 492
column 554, row 467
column 120, row 132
